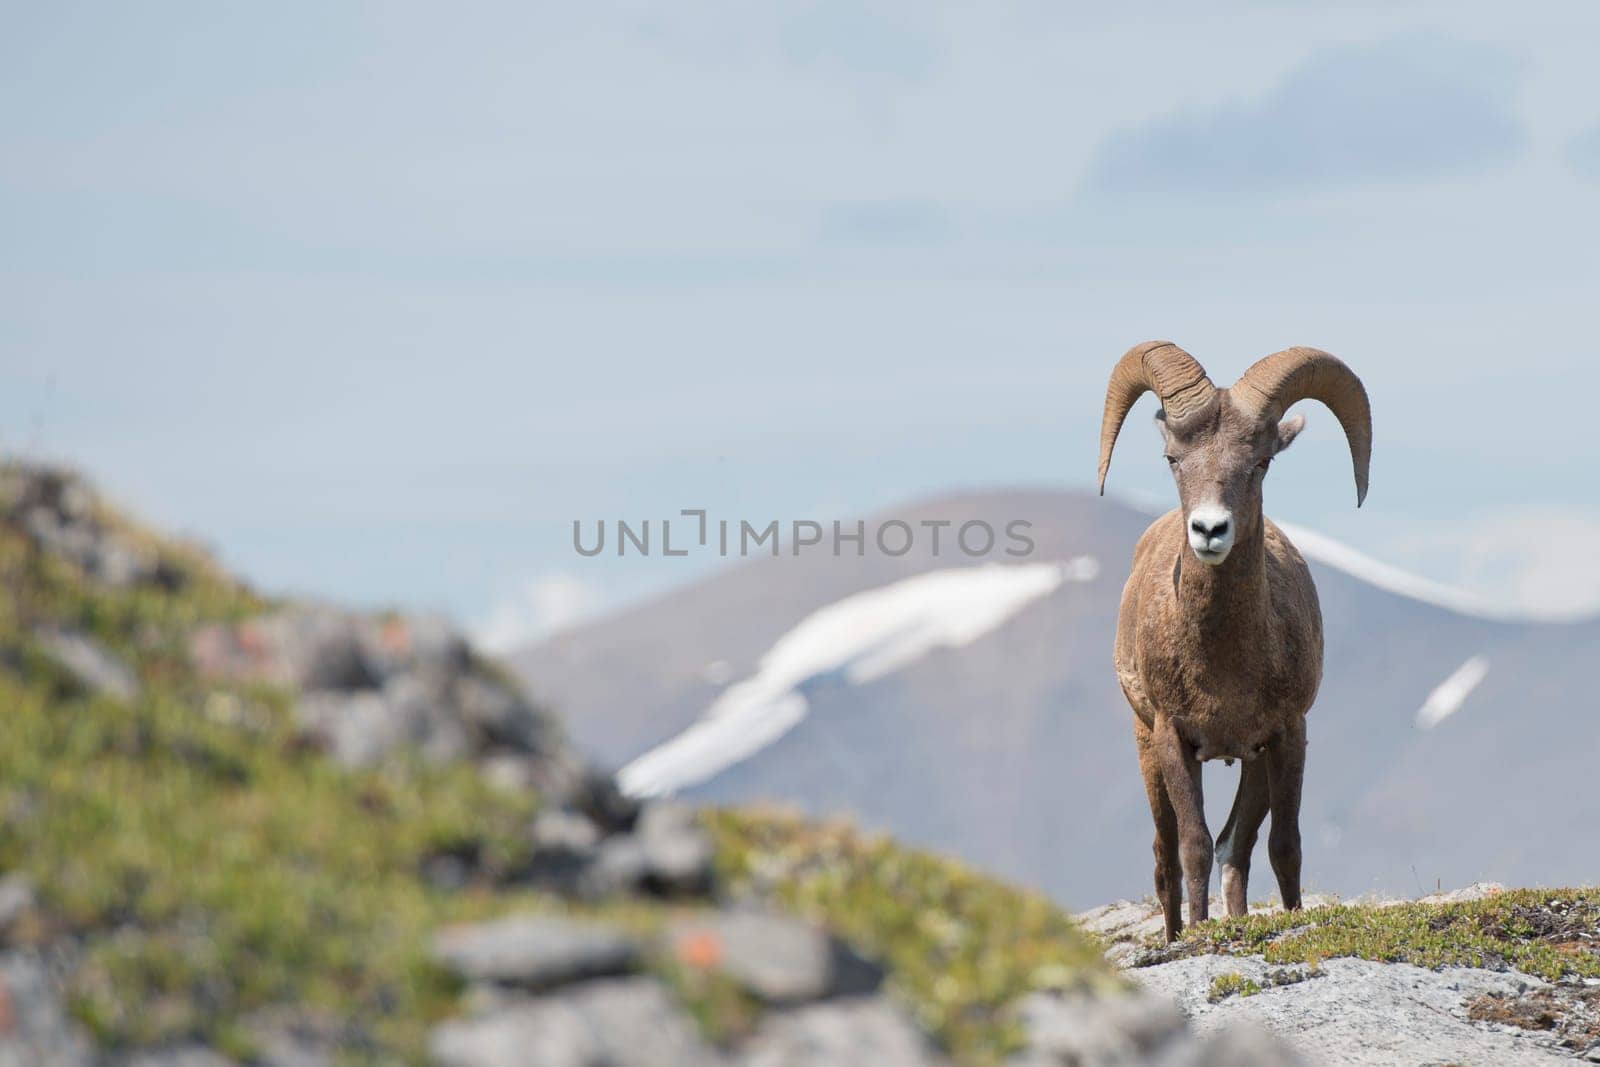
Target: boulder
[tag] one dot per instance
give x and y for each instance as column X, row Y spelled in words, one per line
column 777, row 958
column 94, row 667
column 678, row 853
column 619, row 1022
column 1093, row 1029
column 34, row 1026
column 848, row 1032
column 535, row 951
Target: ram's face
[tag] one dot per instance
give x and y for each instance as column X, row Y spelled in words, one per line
column 1219, row 459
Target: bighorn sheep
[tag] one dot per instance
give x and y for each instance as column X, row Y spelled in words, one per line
column 1219, row 639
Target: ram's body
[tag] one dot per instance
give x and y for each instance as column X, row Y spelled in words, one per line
column 1234, row 651
column 1219, row 639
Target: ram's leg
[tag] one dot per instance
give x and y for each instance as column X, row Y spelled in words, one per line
column 1180, row 771
column 1238, row 838
column 1286, row 765
column 1169, row 884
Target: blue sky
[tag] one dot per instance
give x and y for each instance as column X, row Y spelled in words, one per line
column 377, row 299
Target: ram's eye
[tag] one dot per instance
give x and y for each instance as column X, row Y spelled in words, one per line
column 1172, row 460
column 1264, row 464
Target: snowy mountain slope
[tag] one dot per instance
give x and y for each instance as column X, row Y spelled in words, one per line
column 1448, row 742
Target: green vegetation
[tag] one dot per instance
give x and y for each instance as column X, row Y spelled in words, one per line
column 211, row 867
column 959, row 946
column 1231, row 984
column 1549, row 933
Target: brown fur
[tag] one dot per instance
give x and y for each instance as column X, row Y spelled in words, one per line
column 1220, row 662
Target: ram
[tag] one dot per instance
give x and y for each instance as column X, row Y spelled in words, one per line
column 1219, row 638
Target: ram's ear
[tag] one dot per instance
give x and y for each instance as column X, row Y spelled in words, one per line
column 1161, row 422
column 1288, row 430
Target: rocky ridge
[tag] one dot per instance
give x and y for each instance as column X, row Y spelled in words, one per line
column 1371, row 1011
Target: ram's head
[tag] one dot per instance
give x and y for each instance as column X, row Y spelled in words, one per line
column 1219, row 442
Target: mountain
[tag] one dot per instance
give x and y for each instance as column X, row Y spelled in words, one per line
column 968, row 704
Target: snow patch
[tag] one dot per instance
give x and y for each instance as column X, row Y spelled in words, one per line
column 1324, row 549
column 1448, row 696
column 859, row 639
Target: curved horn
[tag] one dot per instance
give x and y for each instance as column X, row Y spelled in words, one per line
column 1160, row 367
column 1272, row 384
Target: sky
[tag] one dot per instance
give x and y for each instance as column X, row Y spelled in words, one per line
column 378, row 299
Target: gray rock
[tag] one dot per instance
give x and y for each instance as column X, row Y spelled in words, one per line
column 1084, row 1028
column 395, row 644
column 502, row 716
column 566, row 831
column 357, row 729
column 420, row 701
column 1359, row 1011
column 1239, row 1044
column 618, row 867
column 667, row 853
column 627, row 1022
column 565, row 844
column 535, row 951
column 176, row 1056
column 298, row 1037
column 864, row 1031
column 34, row 1027
column 93, row 666
column 306, row 646
column 16, row 900
column 678, row 853
column 57, row 511
column 779, row 959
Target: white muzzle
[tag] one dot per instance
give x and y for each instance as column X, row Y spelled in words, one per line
column 1211, row 530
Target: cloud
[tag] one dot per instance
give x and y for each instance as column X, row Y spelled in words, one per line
column 1584, row 152
column 535, row 609
column 1405, row 108
column 1536, row 560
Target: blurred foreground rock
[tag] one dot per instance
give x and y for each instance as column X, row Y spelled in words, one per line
column 371, row 686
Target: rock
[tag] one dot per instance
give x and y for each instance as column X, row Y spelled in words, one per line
column 1358, row 1011
column 16, row 901
column 596, row 795
column 779, row 959
column 95, row 668
column 668, row 853
column 535, row 951
column 564, row 845
column 420, row 702
column 395, row 644
column 617, row 868
column 623, row 1022
column 501, row 716
column 357, row 729
column 678, row 853
column 371, row 686
column 298, row 1037
column 1240, row 1044
column 176, row 1056
column 56, row 509
column 1129, row 927
column 864, row 1031
column 34, row 1028
column 1475, row 891
column 1084, row 1028
column 305, row 647
column 555, row 830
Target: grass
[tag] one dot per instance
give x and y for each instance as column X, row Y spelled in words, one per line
column 1540, row 932
column 211, row 869
column 1231, row 984
column 959, row 946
